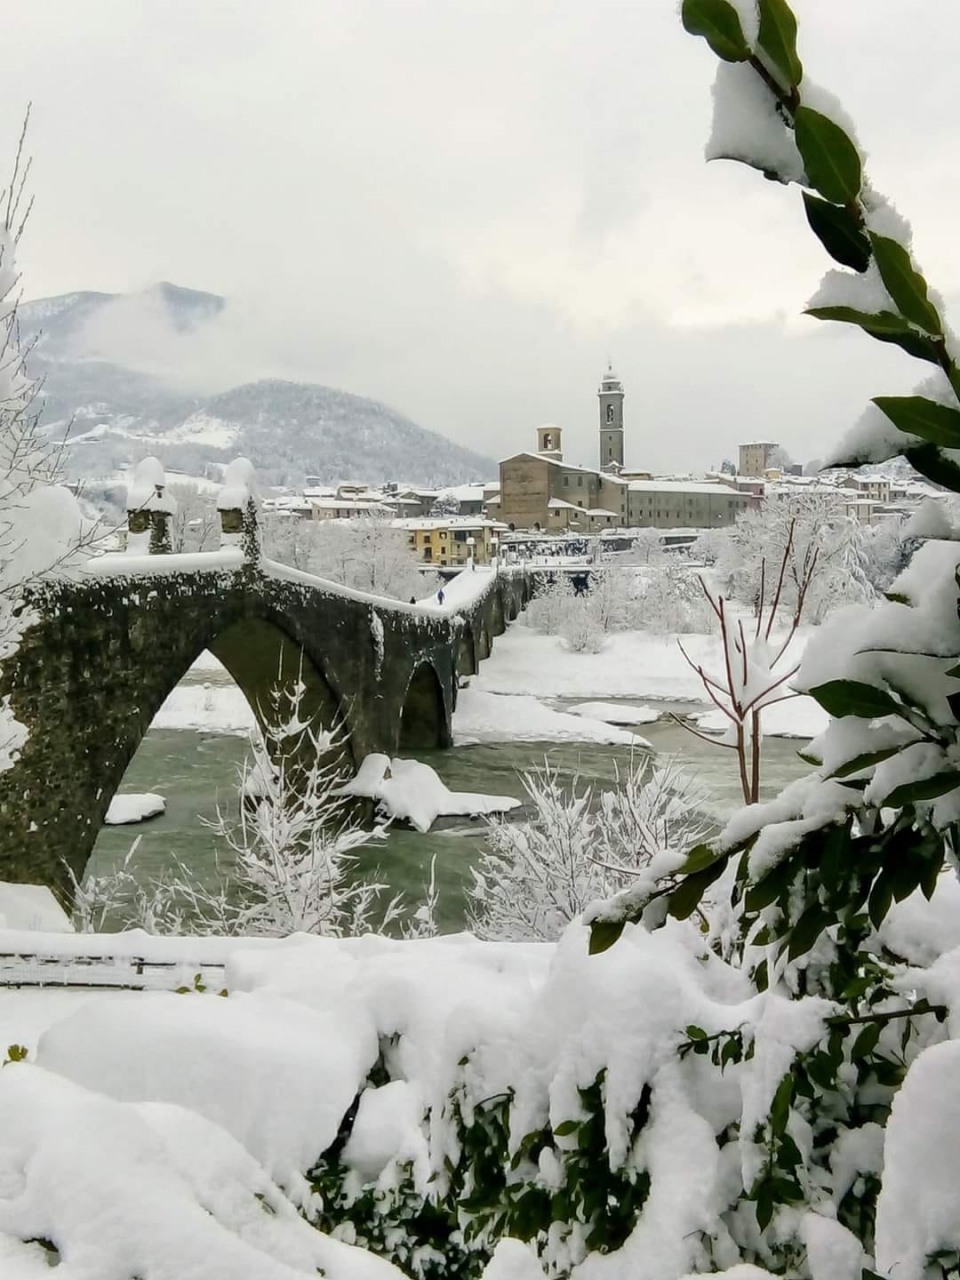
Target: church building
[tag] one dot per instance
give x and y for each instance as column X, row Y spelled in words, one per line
column 541, row 492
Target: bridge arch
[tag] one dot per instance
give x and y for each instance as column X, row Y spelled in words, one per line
column 497, row 624
column 259, row 654
column 481, row 641
column 424, row 722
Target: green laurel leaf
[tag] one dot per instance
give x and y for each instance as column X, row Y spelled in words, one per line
column 831, row 160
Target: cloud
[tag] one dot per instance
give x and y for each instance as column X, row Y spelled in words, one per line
column 463, row 209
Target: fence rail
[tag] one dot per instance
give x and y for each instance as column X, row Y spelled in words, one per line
column 105, row 972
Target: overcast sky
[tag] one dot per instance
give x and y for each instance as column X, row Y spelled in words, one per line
column 463, row 208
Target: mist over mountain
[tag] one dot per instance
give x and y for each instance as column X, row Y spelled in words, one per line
column 132, row 373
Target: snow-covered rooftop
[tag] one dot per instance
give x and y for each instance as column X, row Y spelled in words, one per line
column 682, row 486
column 447, row 522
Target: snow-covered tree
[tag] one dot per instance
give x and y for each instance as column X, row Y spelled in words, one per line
column 534, row 877
column 813, row 523
column 647, row 547
column 41, row 530
column 195, row 525
column 369, row 554
column 291, row 851
column 672, row 603
column 613, row 598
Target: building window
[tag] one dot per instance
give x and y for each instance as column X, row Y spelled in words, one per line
column 609, row 412
column 580, row 481
column 566, row 482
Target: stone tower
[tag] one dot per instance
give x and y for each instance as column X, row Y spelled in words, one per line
column 611, row 421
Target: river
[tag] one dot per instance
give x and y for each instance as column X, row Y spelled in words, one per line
column 195, row 770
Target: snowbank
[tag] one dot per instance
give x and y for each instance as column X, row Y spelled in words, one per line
column 413, row 792
column 31, row 907
column 482, row 716
column 146, row 1190
column 134, row 808
column 919, row 1206
column 250, row 1064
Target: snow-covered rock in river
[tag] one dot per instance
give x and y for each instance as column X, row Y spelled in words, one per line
column 411, row 791
column 134, row 808
column 615, row 713
column 800, row 717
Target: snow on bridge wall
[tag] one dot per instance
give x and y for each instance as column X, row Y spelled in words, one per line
column 101, row 654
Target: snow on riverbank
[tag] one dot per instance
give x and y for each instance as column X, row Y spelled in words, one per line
column 134, row 808
column 412, row 792
column 206, row 708
column 632, row 664
column 482, row 716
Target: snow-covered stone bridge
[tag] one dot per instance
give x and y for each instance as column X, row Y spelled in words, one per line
column 99, row 653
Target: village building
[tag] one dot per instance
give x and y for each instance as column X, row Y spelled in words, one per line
column 451, row 541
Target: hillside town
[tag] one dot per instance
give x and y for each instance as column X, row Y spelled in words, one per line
column 541, row 504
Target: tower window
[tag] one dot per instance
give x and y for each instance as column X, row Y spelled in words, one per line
column 609, row 412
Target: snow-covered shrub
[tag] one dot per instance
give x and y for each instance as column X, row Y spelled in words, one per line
column 548, row 609
column 581, row 630
column 534, row 877
column 821, row 896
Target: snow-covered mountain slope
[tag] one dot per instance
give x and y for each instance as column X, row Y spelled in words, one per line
column 116, row 413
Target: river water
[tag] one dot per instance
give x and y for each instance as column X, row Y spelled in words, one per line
column 197, row 770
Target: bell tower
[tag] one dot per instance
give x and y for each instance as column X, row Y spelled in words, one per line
column 611, row 421
column 548, row 442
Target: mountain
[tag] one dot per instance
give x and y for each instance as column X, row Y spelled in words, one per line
column 120, row 411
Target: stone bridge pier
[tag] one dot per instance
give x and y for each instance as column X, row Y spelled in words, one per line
column 99, row 654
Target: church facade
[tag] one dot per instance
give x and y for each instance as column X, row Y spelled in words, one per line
column 539, row 491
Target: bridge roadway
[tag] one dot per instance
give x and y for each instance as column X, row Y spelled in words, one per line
column 101, row 651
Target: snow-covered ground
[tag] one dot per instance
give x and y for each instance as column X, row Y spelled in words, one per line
column 632, row 664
